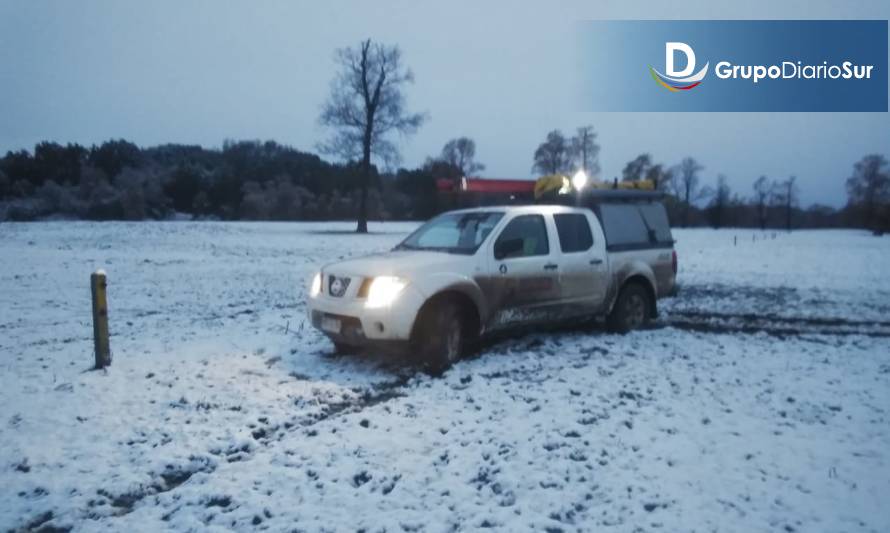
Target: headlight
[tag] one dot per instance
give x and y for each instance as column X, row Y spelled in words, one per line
column 384, row 290
column 315, row 288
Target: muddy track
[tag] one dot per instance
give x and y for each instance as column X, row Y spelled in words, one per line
column 267, row 434
column 263, row 435
column 771, row 324
column 810, row 321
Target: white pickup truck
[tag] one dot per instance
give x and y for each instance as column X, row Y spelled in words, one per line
column 473, row 272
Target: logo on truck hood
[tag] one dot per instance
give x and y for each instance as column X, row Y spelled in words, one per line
column 337, row 286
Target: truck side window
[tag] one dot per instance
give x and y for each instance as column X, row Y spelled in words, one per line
column 574, row 232
column 624, row 225
column 524, row 236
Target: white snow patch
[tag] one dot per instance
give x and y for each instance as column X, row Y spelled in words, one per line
column 224, row 409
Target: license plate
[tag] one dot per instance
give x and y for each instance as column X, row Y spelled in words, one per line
column 330, row 324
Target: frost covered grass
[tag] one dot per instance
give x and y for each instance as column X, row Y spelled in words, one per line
column 759, row 402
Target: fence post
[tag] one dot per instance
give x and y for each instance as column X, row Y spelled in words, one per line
column 101, row 345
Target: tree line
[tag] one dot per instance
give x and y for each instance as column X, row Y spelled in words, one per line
column 253, row 180
column 770, row 203
column 243, row 180
column 366, row 107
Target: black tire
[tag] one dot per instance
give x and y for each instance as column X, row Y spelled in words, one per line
column 343, row 349
column 442, row 339
column 631, row 310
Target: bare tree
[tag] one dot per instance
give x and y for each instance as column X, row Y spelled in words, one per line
column 636, row 169
column 720, row 201
column 366, row 104
column 685, row 183
column 869, row 186
column 585, row 151
column 762, row 191
column 659, row 176
column 461, row 153
column 552, row 155
column 785, row 195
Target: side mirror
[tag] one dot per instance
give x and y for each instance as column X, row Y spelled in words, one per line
column 507, row 248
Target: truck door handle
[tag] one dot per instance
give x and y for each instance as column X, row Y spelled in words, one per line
column 596, row 261
column 551, row 266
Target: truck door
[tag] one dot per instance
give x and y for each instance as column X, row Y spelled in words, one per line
column 523, row 282
column 583, row 264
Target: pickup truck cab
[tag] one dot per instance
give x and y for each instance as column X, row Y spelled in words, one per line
column 474, row 272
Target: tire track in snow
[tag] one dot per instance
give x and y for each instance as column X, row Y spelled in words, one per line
column 265, row 436
column 710, row 322
column 380, row 393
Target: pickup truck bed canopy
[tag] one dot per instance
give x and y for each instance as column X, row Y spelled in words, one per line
column 631, row 219
column 593, row 197
column 523, row 190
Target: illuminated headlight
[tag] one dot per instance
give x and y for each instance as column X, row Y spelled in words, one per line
column 384, row 290
column 315, row 288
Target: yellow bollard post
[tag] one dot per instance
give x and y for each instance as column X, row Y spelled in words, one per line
column 98, row 284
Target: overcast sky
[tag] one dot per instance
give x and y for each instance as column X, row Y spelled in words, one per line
column 499, row 72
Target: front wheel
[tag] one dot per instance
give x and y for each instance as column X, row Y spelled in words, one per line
column 442, row 339
column 631, row 310
column 343, row 349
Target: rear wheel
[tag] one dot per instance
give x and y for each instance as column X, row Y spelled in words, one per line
column 631, row 310
column 442, row 335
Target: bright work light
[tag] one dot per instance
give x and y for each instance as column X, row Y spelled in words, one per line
column 579, row 180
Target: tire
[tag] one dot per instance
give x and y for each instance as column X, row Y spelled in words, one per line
column 443, row 335
column 343, row 349
column 631, row 310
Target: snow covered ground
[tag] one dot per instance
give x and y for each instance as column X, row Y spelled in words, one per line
column 759, row 402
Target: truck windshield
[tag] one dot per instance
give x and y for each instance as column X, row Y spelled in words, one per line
column 458, row 233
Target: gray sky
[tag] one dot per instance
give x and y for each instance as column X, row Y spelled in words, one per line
column 499, row 72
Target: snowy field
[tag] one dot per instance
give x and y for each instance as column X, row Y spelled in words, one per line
column 760, row 401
